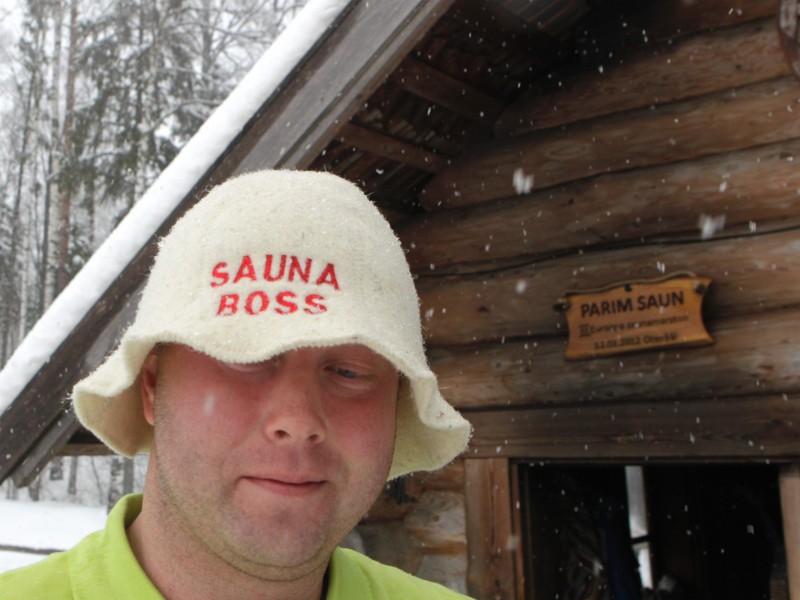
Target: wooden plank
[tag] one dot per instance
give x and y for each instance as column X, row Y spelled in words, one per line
column 757, row 428
column 700, row 64
column 616, row 26
column 750, row 355
column 559, row 17
column 491, row 561
column 750, row 274
column 391, row 148
column 85, row 449
column 751, row 188
column 518, row 527
column 41, row 404
column 507, row 30
column 759, row 114
column 46, row 448
column 440, row 88
column 790, row 511
column 436, row 522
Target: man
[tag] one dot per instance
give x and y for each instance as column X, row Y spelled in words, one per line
column 275, row 372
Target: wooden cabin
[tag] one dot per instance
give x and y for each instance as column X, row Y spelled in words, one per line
column 528, row 152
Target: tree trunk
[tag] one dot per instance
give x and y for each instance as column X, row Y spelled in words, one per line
column 66, row 179
column 12, row 491
column 14, row 313
column 49, row 264
column 57, row 469
column 127, row 476
column 115, row 483
column 72, row 485
column 34, row 489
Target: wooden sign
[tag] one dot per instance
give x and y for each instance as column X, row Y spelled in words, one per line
column 636, row 315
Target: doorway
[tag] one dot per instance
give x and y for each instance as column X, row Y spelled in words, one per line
column 643, row 532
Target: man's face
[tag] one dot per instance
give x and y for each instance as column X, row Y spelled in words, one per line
column 269, row 465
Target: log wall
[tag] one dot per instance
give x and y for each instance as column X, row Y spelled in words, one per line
column 698, row 118
column 626, row 157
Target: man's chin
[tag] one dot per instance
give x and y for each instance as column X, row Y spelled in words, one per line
column 280, row 561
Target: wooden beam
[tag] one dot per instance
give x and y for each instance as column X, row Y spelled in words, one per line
column 790, row 511
column 508, row 30
column 751, row 274
column 490, row 546
column 625, row 24
column 41, row 404
column 764, row 428
column 759, row 114
column 691, row 66
column 757, row 187
column 45, row 448
column 751, row 355
column 390, row 147
column 362, row 51
column 85, row 449
column 440, row 88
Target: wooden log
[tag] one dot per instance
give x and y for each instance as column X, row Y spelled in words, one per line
column 701, row 64
column 617, row 26
column 388, row 507
column 757, row 429
column 45, row 448
column 755, row 187
column 496, row 23
column 491, row 561
column 490, row 46
column 389, row 147
column 750, row 274
column 447, row 91
column 436, row 522
column 759, row 114
column 85, row 449
column 750, row 356
column 447, row 479
column 790, row 511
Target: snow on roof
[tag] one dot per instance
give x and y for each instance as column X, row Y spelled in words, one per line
column 166, row 193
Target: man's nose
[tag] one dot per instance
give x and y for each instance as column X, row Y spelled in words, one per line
column 293, row 410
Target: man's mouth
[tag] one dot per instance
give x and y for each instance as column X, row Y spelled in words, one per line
column 287, row 486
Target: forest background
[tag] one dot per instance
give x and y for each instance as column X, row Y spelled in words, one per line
column 96, row 98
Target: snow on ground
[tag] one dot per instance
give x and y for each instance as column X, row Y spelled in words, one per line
column 43, row 525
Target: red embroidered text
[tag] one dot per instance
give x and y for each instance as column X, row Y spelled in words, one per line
column 272, row 268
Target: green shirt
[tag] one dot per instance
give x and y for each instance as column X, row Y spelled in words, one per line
column 102, row 566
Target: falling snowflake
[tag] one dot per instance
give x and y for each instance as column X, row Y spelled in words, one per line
column 710, row 225
column 523, row 183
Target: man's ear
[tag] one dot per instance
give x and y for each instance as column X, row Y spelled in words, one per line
column 148, row 377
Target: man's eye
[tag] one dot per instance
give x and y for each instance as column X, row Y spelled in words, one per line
column 346, row 373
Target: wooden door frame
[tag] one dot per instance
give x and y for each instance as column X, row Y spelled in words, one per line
column 495, row 562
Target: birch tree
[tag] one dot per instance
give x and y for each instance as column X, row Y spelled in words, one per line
column 104, row 95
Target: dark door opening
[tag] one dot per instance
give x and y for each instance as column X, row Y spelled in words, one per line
column 654, row 532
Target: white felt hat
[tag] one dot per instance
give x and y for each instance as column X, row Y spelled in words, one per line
column 268, row 262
